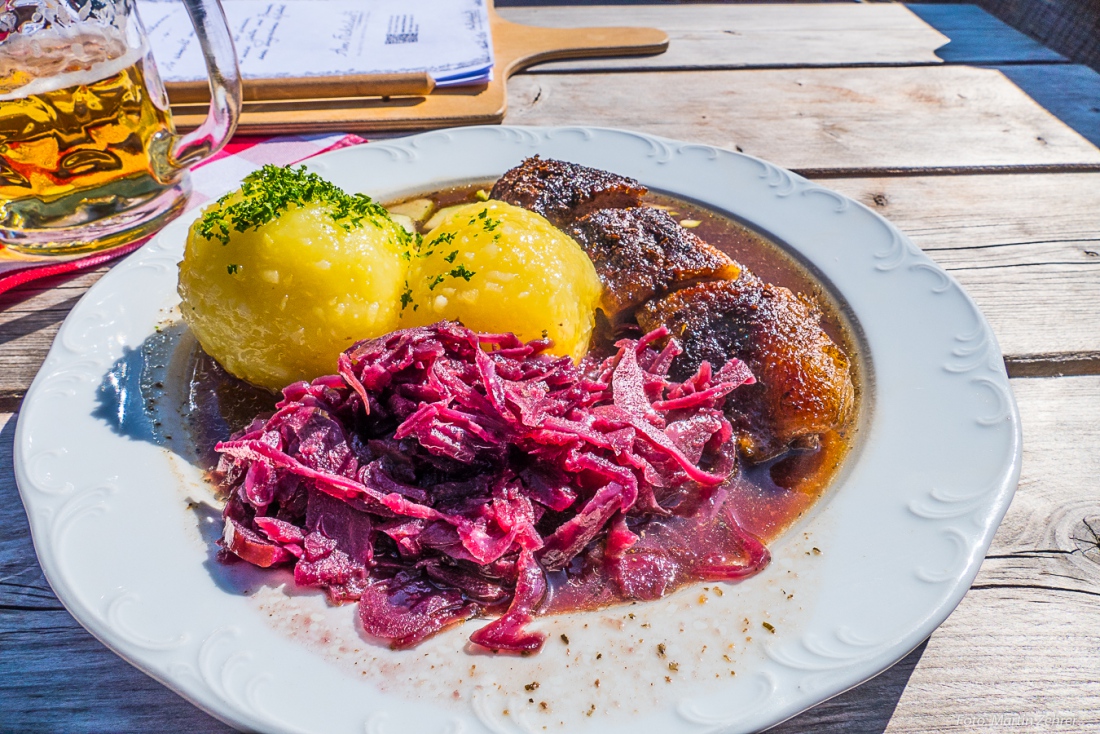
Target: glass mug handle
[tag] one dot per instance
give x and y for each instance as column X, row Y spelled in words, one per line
column 212, row 31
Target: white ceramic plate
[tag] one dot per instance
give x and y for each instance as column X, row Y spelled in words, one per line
column 123, row 522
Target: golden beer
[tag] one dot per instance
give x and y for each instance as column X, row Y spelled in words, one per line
column 88, row 154
column 84, row 145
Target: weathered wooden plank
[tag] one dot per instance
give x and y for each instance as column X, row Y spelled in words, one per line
column 1007, row 660
column 1016, row 654
column 29, row 319
column 57, row 289
column 820, row 119
column 819, row 34
column 748, row 36
column 1043, row 539
column 1026, row 248
column 1025, row 305
column 1070, row 92
column 1018, row 644
column 952, row 212
column 48, row 657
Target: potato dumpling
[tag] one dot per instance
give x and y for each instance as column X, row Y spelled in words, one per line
column 280, row 277
column 496, row 268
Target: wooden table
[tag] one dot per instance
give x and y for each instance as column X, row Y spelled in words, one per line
column 976, row 141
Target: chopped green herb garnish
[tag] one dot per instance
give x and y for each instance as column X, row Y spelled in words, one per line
column 272, row 190
column 232, row 268
column 451, row 258
column 483, row 214
column 462, row 272
column 491, row 224
column 406, row 296
column 443, row 238
column 435, row 281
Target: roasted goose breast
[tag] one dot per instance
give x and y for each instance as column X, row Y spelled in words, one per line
column 563, row 192
column 642, row 252
column 803, row 387
column 658, row 273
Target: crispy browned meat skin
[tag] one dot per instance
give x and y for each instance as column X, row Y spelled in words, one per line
column 641, row 252
column 563, row 192
column 803, row 388
column 804, row 385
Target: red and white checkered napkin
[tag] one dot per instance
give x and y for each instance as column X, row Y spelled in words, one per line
column 210, row 179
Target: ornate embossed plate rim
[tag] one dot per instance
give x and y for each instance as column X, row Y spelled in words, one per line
column 939, row 391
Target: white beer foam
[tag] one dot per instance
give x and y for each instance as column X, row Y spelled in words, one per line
column 55, row 45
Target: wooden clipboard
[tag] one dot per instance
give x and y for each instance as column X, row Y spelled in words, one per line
column 515, row 47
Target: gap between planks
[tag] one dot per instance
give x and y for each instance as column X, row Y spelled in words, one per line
column 1053, row 365
column 825, row 174
column 780, row 66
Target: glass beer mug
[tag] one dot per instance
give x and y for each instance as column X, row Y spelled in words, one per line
column 89, row 157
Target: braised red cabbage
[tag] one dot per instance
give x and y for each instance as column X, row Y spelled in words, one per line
column 443, row 475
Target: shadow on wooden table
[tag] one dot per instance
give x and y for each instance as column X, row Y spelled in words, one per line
column 74, row 684
column 55, row 676
column 866, row 709
column 1070, row 92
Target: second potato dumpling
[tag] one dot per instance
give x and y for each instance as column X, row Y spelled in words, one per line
column 498, row 268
